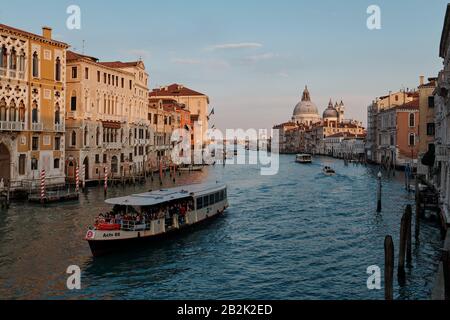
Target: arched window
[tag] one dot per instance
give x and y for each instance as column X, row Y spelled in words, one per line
column 35, row 65
column 3, row 110
column 86, row 133
column 57, row 114
column 412, row 120
column 12, row 111
column 13, row 60
column 3, row 57
column 412, row 139
column 58, row 69
column 34, row 113
column 73, row 139
column 22, row 111
column 22, row 61
column 97, row 137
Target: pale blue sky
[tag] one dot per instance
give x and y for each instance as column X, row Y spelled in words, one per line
column 253, row 57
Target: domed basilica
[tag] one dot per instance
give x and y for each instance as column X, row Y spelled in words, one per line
column 307, row 114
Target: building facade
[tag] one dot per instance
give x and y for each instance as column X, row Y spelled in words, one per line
column 106, row 118
column 195, row 102
column 32, row 100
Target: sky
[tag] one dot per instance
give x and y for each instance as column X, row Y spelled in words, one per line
column 253, row 58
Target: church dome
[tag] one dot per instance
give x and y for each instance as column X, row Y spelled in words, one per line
column 305, row 108
column 330, row 112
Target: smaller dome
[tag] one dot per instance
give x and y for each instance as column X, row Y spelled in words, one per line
column 330, row 112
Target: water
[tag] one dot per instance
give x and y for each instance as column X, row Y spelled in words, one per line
column 296, row 235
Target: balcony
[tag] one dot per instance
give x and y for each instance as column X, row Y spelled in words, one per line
column 59, row 127
column 111, row 117
column 37, row 126
column 12, row 126
column 2, row 72
column 112, row 145
column 71, row 114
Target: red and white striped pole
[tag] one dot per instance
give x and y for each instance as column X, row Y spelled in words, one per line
column 42, row 186
column 77, row 179
column 106, row 180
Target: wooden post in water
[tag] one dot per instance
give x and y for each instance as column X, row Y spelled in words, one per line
column 402, row 247
column 417, row 224
column 446, row 267
column 388, row 268
column 408, row 234
column 379, row 192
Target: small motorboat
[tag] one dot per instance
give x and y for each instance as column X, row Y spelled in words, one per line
column 328, row 171
column 191, row 168
column 303, row 158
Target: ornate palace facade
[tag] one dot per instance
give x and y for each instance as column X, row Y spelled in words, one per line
column 32, row 100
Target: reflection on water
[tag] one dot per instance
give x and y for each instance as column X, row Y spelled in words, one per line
column 296, row 235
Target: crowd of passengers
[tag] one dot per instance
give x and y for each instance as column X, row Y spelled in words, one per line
column 120, row 214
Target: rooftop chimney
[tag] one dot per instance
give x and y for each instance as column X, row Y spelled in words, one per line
column 421, row 81
column 47, row 32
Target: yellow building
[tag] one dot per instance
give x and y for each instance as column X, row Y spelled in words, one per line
column 32, row 99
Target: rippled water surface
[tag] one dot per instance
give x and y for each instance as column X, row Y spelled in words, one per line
column 296, row 235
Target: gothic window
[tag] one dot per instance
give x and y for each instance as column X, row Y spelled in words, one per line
column 22, row 61
column 35, row 65
column 34, row 113
column 13, row 60
column 3, row 57
column 3, row 110
column 57, row 114
column 73, row 139
column 12, row 111
column 22, row 111
column 86, row 133
column 58, row 69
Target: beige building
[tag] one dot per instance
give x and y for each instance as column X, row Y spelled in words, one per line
column 32, row 98
column 197, row 103
column 426, row 107
column 106, row 117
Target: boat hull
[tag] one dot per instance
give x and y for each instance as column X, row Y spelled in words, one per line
column 105, row 247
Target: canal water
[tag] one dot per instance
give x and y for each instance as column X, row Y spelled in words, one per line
column 295, row 235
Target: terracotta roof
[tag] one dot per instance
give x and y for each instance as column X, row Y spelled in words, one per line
column 119, row 64
column 76, row 56
column 29, row 34
column 174, row 90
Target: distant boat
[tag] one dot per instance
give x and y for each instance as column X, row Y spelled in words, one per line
column 191, row 168
column 303, row 158
column 329, row 171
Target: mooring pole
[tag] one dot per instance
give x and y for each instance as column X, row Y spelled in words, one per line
column 388, row 268
column 379, row 192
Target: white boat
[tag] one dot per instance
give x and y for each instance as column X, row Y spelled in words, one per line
column 152, row 215
column 303, row 158
column 191, row 168
column 329, row 171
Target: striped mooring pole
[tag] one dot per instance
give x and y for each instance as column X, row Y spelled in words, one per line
column 106, row 180
column 42, row 186
column 77, row 179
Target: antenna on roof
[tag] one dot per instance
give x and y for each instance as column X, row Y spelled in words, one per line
column 82, row 50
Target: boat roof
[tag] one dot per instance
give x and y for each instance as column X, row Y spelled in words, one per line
column 303, row 155
column 166, row 195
